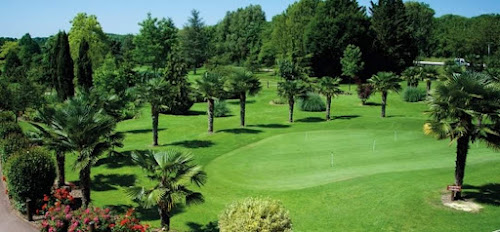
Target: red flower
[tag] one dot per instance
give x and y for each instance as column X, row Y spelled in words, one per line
column 111, row 225
column 124, row 221
column 3, row 178
column 44, row 206
column 46, row 198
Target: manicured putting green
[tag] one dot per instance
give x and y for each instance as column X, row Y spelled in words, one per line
column 302, row 160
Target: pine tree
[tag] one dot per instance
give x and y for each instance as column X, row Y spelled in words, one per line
column 195, row 41
column 84, row 67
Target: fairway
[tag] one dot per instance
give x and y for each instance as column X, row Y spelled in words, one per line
column 302, row 160
column 386, row 175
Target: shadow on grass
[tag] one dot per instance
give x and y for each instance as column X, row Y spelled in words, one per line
column 141, row 131
column 372, row 104
column 106, row 182
column 272, row 126
column 240, row 131
column 238, row 102
column 143, row 213
column 346, row 117
column 210, row 227
column 487, row 194
column 311, row 119
column 195, row 113
column 394, row 116
column 193, row 143
column 116, row 160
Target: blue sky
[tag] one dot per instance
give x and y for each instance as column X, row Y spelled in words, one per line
column 43, row 18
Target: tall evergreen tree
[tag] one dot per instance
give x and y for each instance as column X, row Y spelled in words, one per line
column 393, row 42
column 421, row 24
column 13, row 66
column 84, row 67
column 28, row 50
column 64, row 68
column 195, row 40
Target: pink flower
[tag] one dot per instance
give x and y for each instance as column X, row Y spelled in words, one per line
column 68, row 216
column 45, row 223
column 96, row 219
column 67, row 209
column 59, row 224
column 87, row 211
column 51, row 229
column 86, row 221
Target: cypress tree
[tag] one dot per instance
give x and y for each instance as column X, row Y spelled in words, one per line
column 12, row 65
column 84, row 67
column 64, row 68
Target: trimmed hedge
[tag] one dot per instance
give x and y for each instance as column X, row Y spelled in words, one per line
column 11, row 144
column 30, row 174
column 312, row 103
column 412, row 94
column 254, row 214
column 7, row 116
column 8, row 128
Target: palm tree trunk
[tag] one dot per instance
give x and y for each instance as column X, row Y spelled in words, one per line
column 291, row 102
column 210, row 115
column 85, row 185
column 165, row 218
column 155, row 114
column 61, row 180
column 328, row 105
column 243, row 99
column 429, row 82
column 462, row 149
column 384, row 103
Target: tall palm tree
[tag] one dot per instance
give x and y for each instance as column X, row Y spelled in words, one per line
column 330, row 87
column 78, row 125
column 429, row 74
column 158, row 93
column 412, row 75
column 173, row 172
column 211, row 86
column 291, row 89
column 242, row 82
column 384, row 82
column 455, row 106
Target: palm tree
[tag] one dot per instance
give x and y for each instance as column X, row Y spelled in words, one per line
column 412, row 75
column 78, row 125
column 211, row 86
column 329, row 87
column 383, row 82
column 455, row 106
column 429, row 74
column 290, row 89
column 173, row 172
column 242, row 82
column 158, row 93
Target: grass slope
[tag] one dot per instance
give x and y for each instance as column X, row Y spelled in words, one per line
column 394, row 187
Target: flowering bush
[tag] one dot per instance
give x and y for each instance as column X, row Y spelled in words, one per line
column 60, row 218
column 60, row 195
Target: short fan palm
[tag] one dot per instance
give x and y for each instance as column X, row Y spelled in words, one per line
column 241, row 82
column 173, row 172
column 330, row 87
column 383, row 82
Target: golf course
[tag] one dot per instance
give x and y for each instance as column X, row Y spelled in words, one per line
column 357, row 172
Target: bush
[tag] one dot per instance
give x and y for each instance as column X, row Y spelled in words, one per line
column 7, row 116
column 364, row 92
column 312, row 103
column 255, row 215
column 279, row 101
column 221, row 109
column 8, row 128
column 412, row 94
column 30, row 174
column 12, row 143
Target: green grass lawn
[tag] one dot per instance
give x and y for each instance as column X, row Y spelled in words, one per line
column 386, row 175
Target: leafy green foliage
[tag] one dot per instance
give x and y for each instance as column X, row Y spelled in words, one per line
column 312, row 103
column 421, row 25
column 30, row 174
column 86, row 28
column 195, row 41
column 413, row 75
column 253, row 214
column 155, row 40
column 173, row 172
column 393, row 41
column 176, row 73
column 336, row 24
column 84, row 67
column 29, row 50
column 351, row 62
column 221, row 109
column 12, row 143
column 61, row 65
column 413, row 94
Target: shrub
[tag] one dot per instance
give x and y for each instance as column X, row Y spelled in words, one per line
column 279, row 101
column 7, row 116
column 364, row 92
column 8, row 128
column 412, row 94
column 12, row 143
column 255, row 215
column 312, row 103
column 221, row 109
column 30, row 174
